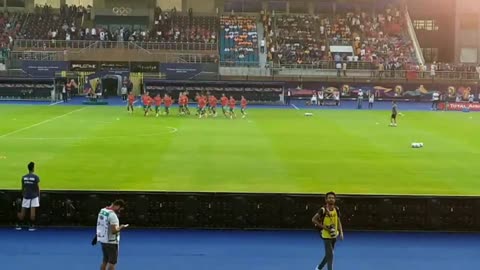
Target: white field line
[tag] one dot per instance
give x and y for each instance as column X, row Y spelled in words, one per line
column 55, row 103
column 40, row 123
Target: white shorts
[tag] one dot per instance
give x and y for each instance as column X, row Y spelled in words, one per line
column 31, row 203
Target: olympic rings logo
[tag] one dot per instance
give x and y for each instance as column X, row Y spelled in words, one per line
column 122, row 11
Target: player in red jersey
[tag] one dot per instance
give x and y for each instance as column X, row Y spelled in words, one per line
column 131, row 100
column 180, row 103
column 197, row 99
column 147, row 103
column 212, row 101
column 243, row 104
column 167, row 100
column 224, row 102
column 183, row 101
column 158, row 103
column 208, row 107
column 231, row 103
column 202, row 103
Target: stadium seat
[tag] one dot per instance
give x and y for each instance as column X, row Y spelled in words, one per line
column 238, row 40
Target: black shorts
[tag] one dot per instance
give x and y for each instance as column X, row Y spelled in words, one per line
column 394, row 116
column 110, row 253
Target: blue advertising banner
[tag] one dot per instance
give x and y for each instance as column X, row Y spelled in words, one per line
column 44, row 68
column 188, row 71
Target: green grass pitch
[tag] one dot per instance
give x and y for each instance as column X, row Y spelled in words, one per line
column 273, row 150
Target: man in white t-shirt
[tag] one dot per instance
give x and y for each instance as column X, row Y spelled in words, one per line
column 371, row 99
column 320, row 98
column 124, row 92
column 435, row 100
column 108, row 233
column 360, row 99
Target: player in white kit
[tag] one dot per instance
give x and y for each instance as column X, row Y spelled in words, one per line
column 108, row 233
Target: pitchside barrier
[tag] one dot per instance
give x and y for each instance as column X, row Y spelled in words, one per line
column 26, row 88
column 250, row 211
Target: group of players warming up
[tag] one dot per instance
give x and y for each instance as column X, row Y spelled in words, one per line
column 206, row 105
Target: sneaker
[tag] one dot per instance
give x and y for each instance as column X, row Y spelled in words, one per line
column 32, row 228
column 18, row 227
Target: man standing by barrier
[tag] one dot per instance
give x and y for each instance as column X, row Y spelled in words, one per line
column 31, row 196
column 108, row 233
column 327, row 221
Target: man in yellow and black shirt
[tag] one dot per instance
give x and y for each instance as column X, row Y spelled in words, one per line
column 327, row 221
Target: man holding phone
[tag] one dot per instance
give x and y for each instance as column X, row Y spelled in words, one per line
column 108, row 233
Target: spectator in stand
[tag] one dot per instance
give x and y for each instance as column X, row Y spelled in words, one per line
column 170, row 27
column 378, row 38
column 240, row 39
column 298, row 41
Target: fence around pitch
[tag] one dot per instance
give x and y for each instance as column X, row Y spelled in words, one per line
column 251, row 210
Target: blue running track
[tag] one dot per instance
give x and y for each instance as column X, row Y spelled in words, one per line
column 60, row 249
column 297, row 104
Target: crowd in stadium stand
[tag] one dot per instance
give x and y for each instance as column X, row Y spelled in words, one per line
column 379, row 38
column 70, row 25
column 45, row 24
column 10, row 26
column 299, row 41
column 238, row 39
column 171, row 27
column 268, row 34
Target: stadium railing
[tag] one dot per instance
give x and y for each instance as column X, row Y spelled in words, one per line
column 340, row 41
column 328, row 65
column 82, row 44
column 326, row 73
column 37, row 55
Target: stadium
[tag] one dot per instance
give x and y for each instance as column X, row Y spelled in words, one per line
column 222, row 126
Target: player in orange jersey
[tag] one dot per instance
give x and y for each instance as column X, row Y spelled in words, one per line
column 224, row 102
column 167, row 100
column 202, row 104
column 131, row 100
column 147, row 103
column 183, row 101
column 243, row 104
column 197, row 99
column 180, row 103
column 231, row 103
column 158, row 103
column 212, row 101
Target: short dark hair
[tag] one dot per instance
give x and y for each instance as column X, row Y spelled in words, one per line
column 120, row 203
column 330, row 193
column 31, row 166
